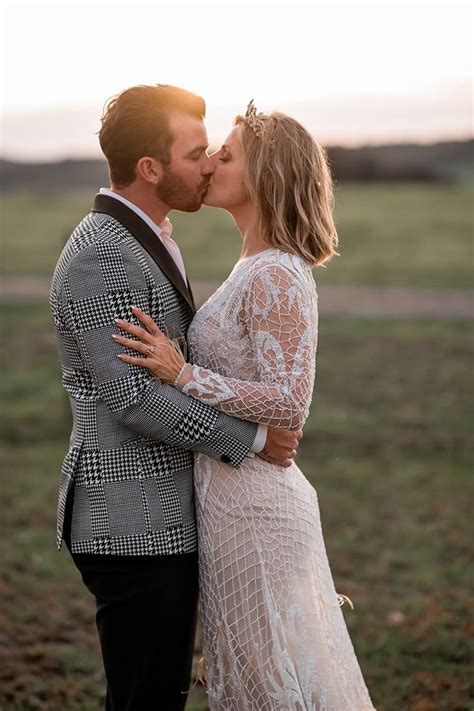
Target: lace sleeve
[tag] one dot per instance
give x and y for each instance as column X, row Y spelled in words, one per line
column 281, row 317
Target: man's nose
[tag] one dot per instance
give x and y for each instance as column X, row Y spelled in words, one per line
column 208, row 166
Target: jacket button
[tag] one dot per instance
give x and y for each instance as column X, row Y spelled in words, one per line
column 225, row 458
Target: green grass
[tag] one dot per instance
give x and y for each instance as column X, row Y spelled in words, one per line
column 388, row 448
column 390, row 235
column 404, row 235
column 379, row 376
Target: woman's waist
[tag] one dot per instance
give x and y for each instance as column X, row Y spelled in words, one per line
column 254, row 473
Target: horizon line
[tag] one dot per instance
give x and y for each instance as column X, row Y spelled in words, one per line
column 415, row 142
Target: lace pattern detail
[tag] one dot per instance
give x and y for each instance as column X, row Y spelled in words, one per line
column 277, row 332
column 274, row 636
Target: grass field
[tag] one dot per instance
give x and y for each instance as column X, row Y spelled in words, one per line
column 390, row 235
column 388, row 446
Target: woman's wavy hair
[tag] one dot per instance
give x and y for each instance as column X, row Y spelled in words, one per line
column 288, row 178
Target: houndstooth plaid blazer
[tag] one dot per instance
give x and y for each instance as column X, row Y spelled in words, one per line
column 130, row 459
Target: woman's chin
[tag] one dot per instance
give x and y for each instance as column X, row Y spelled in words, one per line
column 211, row 198
column 208, row 199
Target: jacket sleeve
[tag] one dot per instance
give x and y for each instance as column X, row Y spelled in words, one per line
column 102, row 283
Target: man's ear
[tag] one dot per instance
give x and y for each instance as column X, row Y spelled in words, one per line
column 149, row 169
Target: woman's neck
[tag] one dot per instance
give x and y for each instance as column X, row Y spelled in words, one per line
column 246, row 219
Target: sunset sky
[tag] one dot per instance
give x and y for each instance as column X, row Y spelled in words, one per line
column 351, row 72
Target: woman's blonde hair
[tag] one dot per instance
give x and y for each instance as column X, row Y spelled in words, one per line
column 288, row 178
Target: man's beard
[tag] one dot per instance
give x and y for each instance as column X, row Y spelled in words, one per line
column 173, row 191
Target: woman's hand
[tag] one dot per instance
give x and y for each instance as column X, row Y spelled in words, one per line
column 159, row 354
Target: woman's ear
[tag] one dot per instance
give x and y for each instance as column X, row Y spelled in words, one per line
column 149, row 169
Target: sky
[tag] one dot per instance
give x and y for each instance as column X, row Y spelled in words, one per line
column 351, row 72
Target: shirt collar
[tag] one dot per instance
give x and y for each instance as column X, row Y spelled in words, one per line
column 163, row 230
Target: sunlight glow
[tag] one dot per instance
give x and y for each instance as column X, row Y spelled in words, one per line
column 326, row 58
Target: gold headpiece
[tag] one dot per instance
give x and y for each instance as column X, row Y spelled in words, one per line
column 253, row 121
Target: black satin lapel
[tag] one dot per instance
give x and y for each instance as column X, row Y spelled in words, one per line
column 148, row 240
column 191, row 294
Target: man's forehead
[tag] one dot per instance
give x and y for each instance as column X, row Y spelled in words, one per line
column 188, row 130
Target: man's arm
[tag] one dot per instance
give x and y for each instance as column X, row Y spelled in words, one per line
column 103, row 281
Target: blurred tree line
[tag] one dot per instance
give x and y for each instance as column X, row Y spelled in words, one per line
column 440, row 162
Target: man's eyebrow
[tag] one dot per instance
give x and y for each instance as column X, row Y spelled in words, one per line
column 198, row 149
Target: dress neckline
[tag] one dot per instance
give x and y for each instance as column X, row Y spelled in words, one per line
column 244, row 260
column 257, row 254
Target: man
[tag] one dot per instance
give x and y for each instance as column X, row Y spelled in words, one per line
column 126, row 494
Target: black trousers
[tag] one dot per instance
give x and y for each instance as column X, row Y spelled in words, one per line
column 146, row 621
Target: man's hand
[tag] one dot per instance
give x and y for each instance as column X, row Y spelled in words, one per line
column 280, row 447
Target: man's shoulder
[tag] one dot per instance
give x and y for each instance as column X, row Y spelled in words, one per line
column 99, row 227
column 96, row 234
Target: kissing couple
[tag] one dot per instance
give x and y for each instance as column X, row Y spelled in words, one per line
column 180, row 478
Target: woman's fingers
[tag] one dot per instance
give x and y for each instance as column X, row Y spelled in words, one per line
column 133, row 360
column 133, row 345
column 137, row 331
column 146, row 320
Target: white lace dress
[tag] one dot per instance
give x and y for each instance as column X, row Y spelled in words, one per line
column 274, row 636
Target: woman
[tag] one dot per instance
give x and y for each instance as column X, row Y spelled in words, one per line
column 274, row 636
